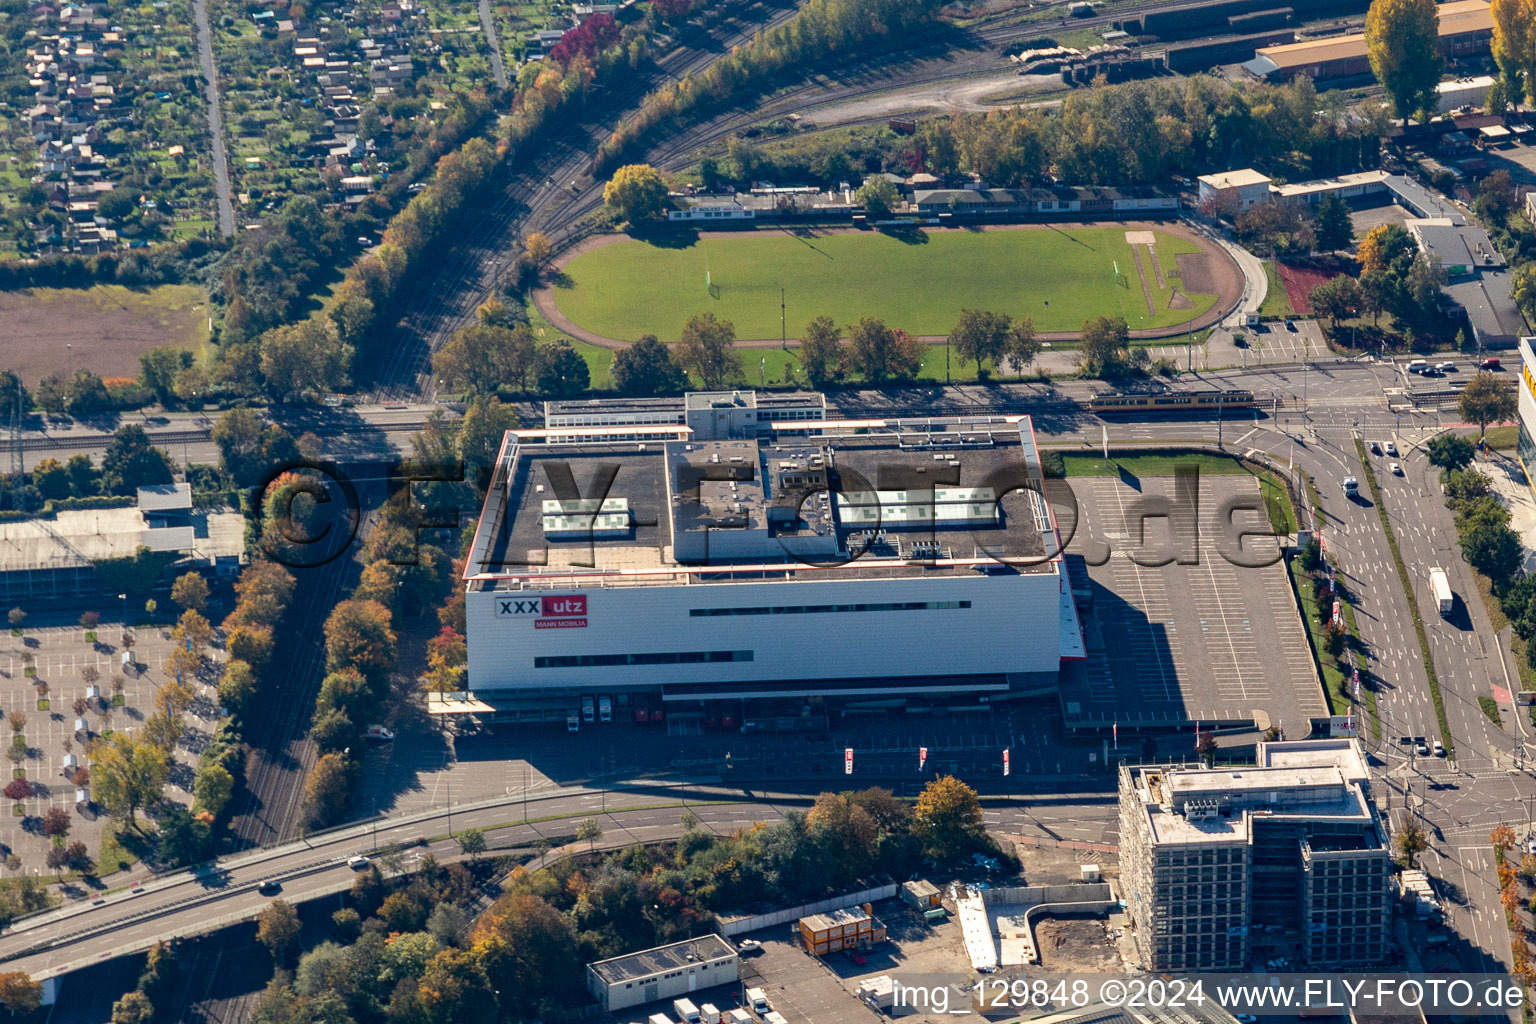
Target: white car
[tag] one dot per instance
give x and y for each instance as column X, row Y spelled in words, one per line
column 1423, row 749
column 1439, row 749
column 1397, row 469
column 1446, row 367
column 1390, row 448
column 357, row 862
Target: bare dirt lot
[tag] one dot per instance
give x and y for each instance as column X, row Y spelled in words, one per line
column 1076, row 945
column 106, row 327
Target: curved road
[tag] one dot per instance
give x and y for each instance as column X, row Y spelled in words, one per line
column 196, row 902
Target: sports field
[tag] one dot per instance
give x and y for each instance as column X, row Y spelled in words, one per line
column 1059, row 276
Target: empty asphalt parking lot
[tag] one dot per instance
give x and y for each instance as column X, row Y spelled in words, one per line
column 1210, row 641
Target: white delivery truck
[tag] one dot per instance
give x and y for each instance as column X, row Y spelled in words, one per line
column 1351, row 487
column 709, row 1013
column 658, row 1018
column 758, row 1000
column 686, row 1011
column 1440, row 586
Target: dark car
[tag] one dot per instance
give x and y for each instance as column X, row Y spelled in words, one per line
column 271, row 887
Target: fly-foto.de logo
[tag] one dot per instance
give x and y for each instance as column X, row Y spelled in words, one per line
column 568, row 611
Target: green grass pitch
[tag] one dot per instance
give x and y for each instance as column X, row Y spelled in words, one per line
column 921, row 282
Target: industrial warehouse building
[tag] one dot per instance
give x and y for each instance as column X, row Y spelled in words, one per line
column 765, row 574
column 58, row 555
column 1466, row 30
column 1223, row 866
column 665, row 972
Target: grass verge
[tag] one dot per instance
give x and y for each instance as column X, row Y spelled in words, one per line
column 113, row 857
column 1413, row 608
column 1277, row 301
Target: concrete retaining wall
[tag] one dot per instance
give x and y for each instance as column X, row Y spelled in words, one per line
column 741, row 925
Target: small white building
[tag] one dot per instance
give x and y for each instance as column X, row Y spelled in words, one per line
column 1235, row 190
column 1462, row 92
column 665, row 972
column 714, row 211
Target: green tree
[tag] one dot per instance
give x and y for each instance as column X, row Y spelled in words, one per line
column 947, row 818
column 821, row 352
column 358, row 634
column 82, row 475
column 562, row 373
column 1411, row 842
column 238, row 435
column 706, row 349
column 589, row 831
column 19, row 994
column 878, row 195
column 133, row 1008
column 212, row 787
column 1023, row 346
column 130, row 462
column 646, row 368
column 328, row 789
column 1331, row 224
column 636, row 193
column 1485, row 400
column 1336, row 298
column 1450, row 451
column 1105, row 345
column 482, row 357
column 190, row 591
column 158, row 369
column 1514, row 49
column 1496, row 197
column 51, row 479
column 118, row 204
column 980, row 335
column 308, row 356
column 277, row 928
column 481, row 431
column 472, row 841
column 128, row 773
column 878, row 353
column 1402, row 41
column 15, row 399
column 1333, row 638
column 1493, row 551
column 1522, row 287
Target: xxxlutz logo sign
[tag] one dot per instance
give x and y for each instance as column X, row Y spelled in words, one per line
column 568, row 611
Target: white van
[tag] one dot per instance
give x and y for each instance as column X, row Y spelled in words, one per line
column 1417, row 365
column 686, row 1011
column 605, row 709
column 758, row 1000
column 1351, row 487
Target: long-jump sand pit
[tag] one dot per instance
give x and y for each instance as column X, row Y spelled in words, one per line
column 106, row 327
column 613, row 289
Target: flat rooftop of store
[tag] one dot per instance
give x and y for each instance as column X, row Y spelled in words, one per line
column 513, row 541
column 650, row 962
